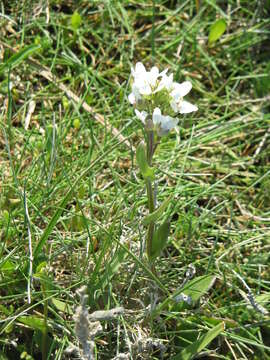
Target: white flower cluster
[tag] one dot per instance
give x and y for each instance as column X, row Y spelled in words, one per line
column 153, row 90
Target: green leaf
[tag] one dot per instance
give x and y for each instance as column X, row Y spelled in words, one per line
column 45, row 280
column 41, row 267
column 213, row 321
column 5, row 310
column 146, row 170
column 76, row 21
column 216, row 31
column 8, row 266
column 62, row 306
column 19, row 57
column 160, row 239
column 194, row 288
column 198, row 286
column 190, row 351
column 154, row 216
column 34, row 322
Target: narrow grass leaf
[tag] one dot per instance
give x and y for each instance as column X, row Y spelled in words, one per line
column 143, row 266
column 112, row 268
column 63, row 204
column 19, row 57
column 248, row 341
column 193, row 349
column 51, row 224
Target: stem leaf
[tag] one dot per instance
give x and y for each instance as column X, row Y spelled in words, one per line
column 160, row 239
column 146, row 170
column 154, row 216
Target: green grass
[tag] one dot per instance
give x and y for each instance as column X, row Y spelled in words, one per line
column 85, row 196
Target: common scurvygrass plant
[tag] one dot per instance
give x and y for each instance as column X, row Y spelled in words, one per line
column 157, row 100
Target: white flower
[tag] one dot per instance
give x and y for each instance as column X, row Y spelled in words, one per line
column 163, row 123
column 144, row 83
column 142, row 115
column 177, row 93
column 183, row 107
column 134, row 96
column 165, row 82
column 180, row 90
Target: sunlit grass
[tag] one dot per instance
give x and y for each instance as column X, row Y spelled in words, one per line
column 86, row 198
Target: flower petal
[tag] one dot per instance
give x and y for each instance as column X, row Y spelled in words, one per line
column 174, row 105
column 145, row 90
column 163, row 72
column 166, row 125
column 165, row 82
column 153, row 75
column 142, row 115
column 157, row 111
column 139, row 68
column 142, row 86
column 169, row 123
column 157, row 117
column 136, row 91
column 131, row 98
column 180, row 90
column 185, row 107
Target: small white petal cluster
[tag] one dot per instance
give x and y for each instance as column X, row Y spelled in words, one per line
column 144, row 82
column 145, row 96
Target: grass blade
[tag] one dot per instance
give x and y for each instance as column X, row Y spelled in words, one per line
column 193, row 349
column 19, row 57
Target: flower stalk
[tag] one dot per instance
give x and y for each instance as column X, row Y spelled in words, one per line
column 150, row 193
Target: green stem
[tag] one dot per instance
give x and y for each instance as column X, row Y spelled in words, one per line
column 150, row 192
column 45, row 331
column 150, row 147
column 151, row 207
